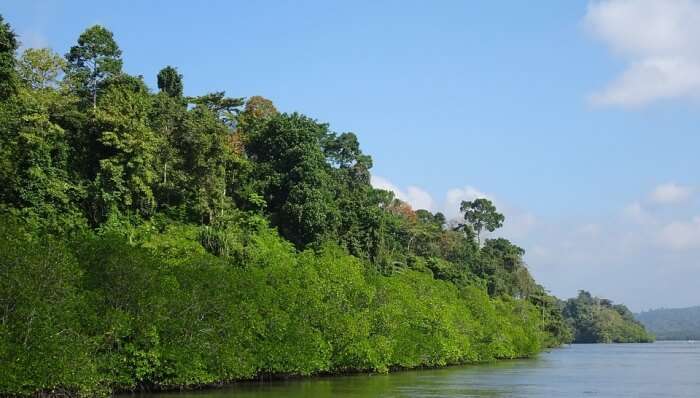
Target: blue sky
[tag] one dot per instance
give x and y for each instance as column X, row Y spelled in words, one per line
column 579, row 124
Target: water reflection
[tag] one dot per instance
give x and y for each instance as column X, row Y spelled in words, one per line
column 634, row 370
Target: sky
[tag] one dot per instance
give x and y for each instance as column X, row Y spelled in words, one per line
column 578, row 118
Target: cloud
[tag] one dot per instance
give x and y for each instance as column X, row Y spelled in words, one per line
column 455, row 196
column 633, row 257
column 419, row 199
column 518, row 222
column 681, row 235
column 658, row 38
column 517, row 225
column 636, row 213
column 670, row 193
column 415, row 196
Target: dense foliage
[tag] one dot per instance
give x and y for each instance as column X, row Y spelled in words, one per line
column 96, row 313
column 597, row 320
column 672, row 323
column 156, row 240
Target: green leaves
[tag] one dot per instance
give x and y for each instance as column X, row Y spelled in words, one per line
column 170, row 82
column 114, row 315
column 40, row 307
column 40, row 68
column 481, row 214
column 202, row 144
column 8, row 46
column 181, row 281
column 127, row 166
column 597, row 320
column 294, row 177
column 94, row 59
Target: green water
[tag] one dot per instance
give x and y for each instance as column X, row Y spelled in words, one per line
column 662, row 369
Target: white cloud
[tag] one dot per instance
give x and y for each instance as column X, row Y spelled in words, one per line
column 415, row 196
column 681, row 235
column 597, row 253
column 455, row 196
column 635, row 212
column 659, row 39
column 670, row 193
column 382, row 183
column 518, row 223
column 419, row 199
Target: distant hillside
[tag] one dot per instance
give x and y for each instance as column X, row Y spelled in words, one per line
column 672, row 323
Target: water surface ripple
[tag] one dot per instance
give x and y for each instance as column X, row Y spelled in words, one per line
column 662, row 369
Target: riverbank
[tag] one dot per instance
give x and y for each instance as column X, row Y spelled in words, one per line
column 125, row 318
column 612, row 370
column 271, row 379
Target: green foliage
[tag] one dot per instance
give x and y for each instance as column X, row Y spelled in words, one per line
column 203, row 147
column 170, row 82
column 116, row 316
column 95, row 58
column 40, row 68
column 481, row 214
column 225, row 108
column 294, row 178
column 34, row 160
column 672, row 323
column 8, row 46
column 127, row 166
column 501, row 266
column 158, row 241
column 42, row 347
column 597, row 320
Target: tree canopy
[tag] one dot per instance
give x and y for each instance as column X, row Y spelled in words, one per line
column 597, row 320
column 480, row 214
column 170, row 82
column 95, row 58
column 152, row 240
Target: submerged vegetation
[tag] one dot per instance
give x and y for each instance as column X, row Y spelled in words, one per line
column 154, row 240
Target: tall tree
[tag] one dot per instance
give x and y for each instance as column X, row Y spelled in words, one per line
column 203, row 143
column 170, row 82
column 293, row 176
column 34, row 150
column 501, row 265
column 481, row 214
column 257, row 111
column 166, row 120
column 8, row 46
column 167, row 117
column 40, row 68
column 127, row 161
column 360, row 218
column 259, row 107
column 226, row 108
column 94, row 59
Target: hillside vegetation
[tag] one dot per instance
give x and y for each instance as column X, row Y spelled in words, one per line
column 672, row 323
column 597, row 320
column 153, row 240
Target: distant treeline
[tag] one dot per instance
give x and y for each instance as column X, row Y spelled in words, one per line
column 672, row 323
column 154, row 240
column 598, row 320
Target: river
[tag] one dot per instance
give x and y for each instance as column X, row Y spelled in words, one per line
column 662, row 369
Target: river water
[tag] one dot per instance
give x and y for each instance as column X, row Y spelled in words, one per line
column 662, row 369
